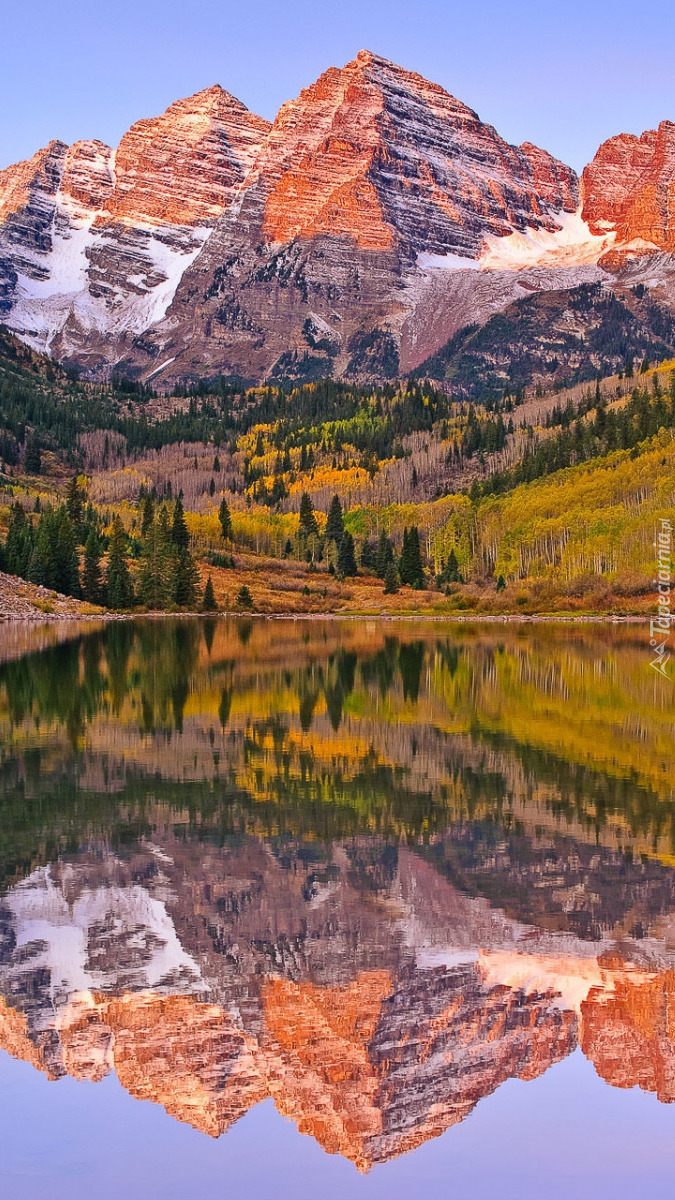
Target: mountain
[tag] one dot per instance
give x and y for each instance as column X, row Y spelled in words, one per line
column 93, row 241
column 375, row 218
column 559, row 336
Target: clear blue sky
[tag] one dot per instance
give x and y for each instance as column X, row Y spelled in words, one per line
column 563, row 75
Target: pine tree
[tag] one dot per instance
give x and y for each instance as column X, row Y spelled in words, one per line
column 308, row 521
column 244, row 598
column 67, row 562
column 185, row 580
column 367, row 556
column 75, row 503
column 33, row 456
column 147, row 514
column 383, row 555
column 410, row 564
column 212, row 487
column 157, row 564
column 19, row 543
column 119, row 588
column 91, row 581
column 334, row 523
column 225, row 520
column 209, row 599
column 391, row 579
column 346, row 562
column 179, row 532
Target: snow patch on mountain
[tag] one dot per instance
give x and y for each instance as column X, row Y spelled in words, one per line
column 68, row 938
column 571, row 244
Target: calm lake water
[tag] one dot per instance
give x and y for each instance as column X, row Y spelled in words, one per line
column 335, row 908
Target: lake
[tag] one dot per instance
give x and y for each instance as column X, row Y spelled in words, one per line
column 369, row 907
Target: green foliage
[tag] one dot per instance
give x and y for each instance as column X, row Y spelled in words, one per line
column 19, row 543
column 368, row 556
column 53, row 560
column 92, row 582
column 244, row 598
column 384, row 555
column 410, row 564
column 334, row 522
column 308, row 523
column 392, row 582
column 346, row 561
column 225, row 520
column 118, row 586
column 155, row 580
column 209, row 599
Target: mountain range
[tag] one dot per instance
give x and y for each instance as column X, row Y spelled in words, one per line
column 373, row 220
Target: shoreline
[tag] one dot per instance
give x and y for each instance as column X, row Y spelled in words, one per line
column 58, row 618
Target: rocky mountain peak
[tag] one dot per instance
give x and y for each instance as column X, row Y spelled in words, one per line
column 629, row 189
column 182, row 167
column 378, row 154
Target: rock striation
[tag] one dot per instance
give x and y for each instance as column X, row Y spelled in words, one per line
column 629, row 190
column 93, row 241
column 352, row 237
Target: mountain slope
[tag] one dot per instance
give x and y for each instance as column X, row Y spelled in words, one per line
column 554, row 338
column 93, row 241
column 374, row 219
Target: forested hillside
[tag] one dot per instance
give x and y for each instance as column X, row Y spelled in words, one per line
column 330, row 496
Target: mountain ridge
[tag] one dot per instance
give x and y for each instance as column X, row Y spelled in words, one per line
column 353, row 236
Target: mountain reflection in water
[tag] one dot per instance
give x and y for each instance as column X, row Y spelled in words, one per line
column 371, row 870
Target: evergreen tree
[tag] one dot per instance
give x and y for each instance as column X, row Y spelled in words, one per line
column 410, row 564
column 19, row 542
column 367, row 556
column 53, row 560
column 33, row 456
column 179, row 532
column 308, row 521
column 244, row 598
column 383, row 555
column 209, row 599
column 501, row 583
column 334, row 523
column 346, row 563
column 147, row 514
column 75, row 503
column 185, row 580
column 225, row 520
column 391, row 579
column 155, row 581
column 91, row 582
column 118, row 585
column 212, row 487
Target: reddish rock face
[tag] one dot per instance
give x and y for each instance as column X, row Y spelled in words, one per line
column 379, row 155
column 377, row 209
column 629, row 1034
column 183, row 167
column 629, row 187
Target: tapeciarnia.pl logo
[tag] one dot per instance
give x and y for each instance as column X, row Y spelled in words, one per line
column 659, row 626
